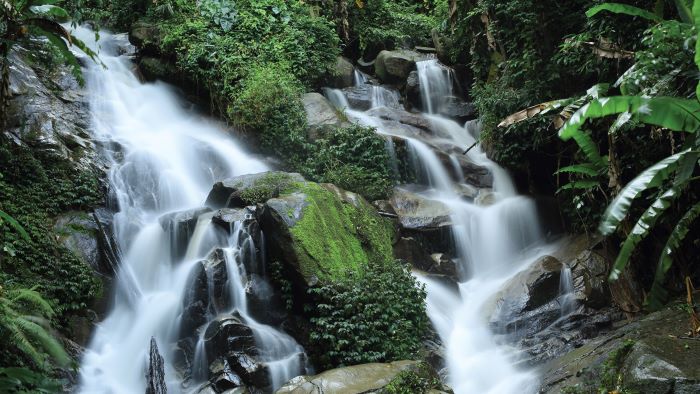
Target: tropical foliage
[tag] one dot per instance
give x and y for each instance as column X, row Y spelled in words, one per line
column 669, row 182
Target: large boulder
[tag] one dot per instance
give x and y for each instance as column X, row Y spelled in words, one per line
column 419, row 213
column 48, row 110
column 651, row 355
column 320, row 115
column 394, row 66
column 323, row 233
column 228, row 333
column 343, row 75
column 367, row 378
column 244, row 190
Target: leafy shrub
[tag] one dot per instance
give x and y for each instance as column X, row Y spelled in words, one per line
column 419, row 379
column 386, row 24
column 269, row 103
column 379, row 316
column 267, row 187
column 355, row 159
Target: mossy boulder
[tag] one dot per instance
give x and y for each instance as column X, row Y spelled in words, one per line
column 324, row 233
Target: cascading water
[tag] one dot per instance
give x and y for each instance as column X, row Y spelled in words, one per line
column 163, row 160
column 566, row 292
column 493, row 242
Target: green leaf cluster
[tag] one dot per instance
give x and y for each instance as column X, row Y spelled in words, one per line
column 374, row 318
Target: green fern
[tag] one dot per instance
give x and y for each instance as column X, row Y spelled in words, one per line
column 24, row 318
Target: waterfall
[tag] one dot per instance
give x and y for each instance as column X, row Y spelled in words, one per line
column 436, row 83
column 163, row 159
column 566, row 291
column 493, row 242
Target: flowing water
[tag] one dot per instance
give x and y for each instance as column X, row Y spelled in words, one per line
column 163, row 159
column 493, row 242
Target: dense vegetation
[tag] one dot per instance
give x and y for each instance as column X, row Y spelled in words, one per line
column 593, row 103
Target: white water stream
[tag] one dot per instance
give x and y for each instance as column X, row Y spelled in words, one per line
column 493, row 242
column 162, row 159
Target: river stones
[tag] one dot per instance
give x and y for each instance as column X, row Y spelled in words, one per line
column 320, row 115
column 394, row 66
column 344, row 73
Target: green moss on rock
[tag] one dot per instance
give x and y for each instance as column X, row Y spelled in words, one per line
column 339, row 233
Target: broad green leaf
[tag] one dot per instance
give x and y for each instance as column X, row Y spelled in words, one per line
column 696, row 19
column 626, row 9
column 652, row 177
column 685, row 10
column 67, row 54
column 586, row 169
column 657, row 294
column 590, row 149
column 668, row 112
column 584, row 184
column 642, row 228
column 50, row 10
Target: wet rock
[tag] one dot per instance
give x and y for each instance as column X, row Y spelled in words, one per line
column 408, row 249
column 156, row 68
column 649, row 354
column 227, row 193
column 364, row 378
column 394, row 66
column 79, row 232
column 659, row 365
column 222, row 376
column 264, row 303
column 403, row 117
column 195, row 302
column 179, row 226
column 456, row 108
column 155, row 378
column 417, row 212
column 252, row 372
column 359, row 97
column 48, row 110
column 474, row 174
column 321, row 116
column 412, row 90
column 527, row 291
column 343, row 75
column 227, row 334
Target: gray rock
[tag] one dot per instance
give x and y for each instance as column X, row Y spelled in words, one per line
column 155, row 377
column 228, row 333
column 320, row 115
column 227, row 194
column 359, row 97
column 364, row 378
column 48, row 110
column 417, row 212
column 343, row 74
column 79, row 232
column 652, row 357
column 412, row 90
column 456, row 108
column 394, row 66
column 403, row 117
column 180, row 226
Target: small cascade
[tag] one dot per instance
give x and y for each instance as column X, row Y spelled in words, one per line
column 437, row 82
column 383, row 97
column 457, row 167
column 567, row 298
column 393, row 159
column 359, row 78
column 337, row 98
